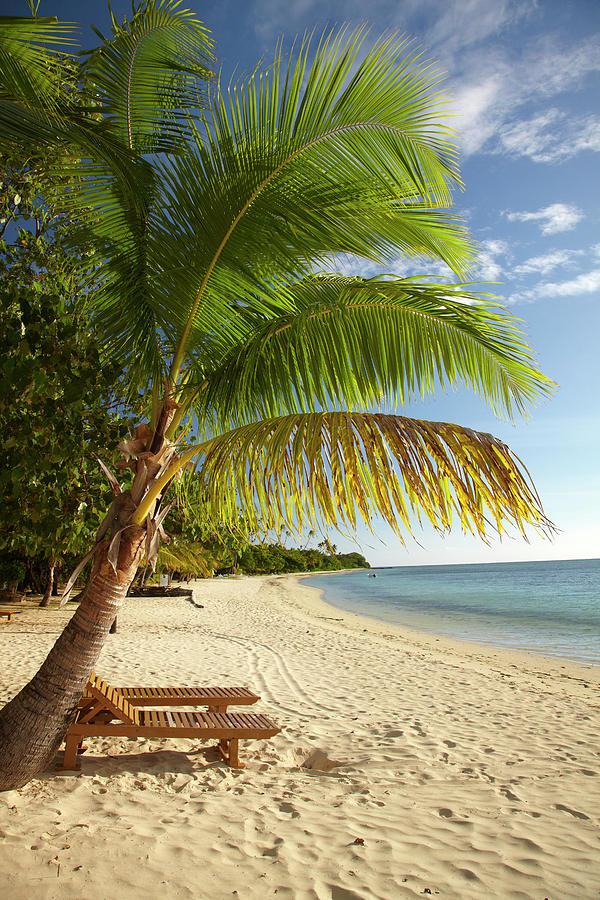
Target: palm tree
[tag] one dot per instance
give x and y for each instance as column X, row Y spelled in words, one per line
column 261, row 368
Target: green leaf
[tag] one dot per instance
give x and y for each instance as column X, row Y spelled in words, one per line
column 354, row 342
column 151, row 74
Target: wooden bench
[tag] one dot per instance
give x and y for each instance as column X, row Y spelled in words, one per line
column 8, row 612
column 111, row 714
column 217, row 699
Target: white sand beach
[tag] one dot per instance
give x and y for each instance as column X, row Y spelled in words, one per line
column 407, row 765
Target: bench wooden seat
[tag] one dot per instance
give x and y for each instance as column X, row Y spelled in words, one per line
column 8, row 613
column 215, row 698
column 109, row 713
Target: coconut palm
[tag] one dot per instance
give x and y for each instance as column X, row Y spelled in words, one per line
column 261, row 367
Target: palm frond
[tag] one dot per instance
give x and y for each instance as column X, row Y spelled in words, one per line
column 107, row 187
column 120, row 228
column 162, row 52
column 340, row 155
column 41, row 103
column 351, row 341
column 29, row 70
column 330, row 469
column 151, row 74
column 188, row 559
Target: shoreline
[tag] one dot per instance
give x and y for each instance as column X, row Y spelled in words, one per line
column 406, row 764
column 464, row 651
column 447, row 640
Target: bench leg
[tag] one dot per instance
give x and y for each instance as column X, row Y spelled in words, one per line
column 72, row 743
column 229, row 750
column 234, row 757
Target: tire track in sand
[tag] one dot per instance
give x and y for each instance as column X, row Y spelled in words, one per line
column 283, row 670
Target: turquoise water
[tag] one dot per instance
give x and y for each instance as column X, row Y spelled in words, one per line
column 546, row 607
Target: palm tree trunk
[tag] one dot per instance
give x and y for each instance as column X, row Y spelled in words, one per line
column 33, row 724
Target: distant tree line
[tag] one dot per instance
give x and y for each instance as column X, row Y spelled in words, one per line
column 274, row 558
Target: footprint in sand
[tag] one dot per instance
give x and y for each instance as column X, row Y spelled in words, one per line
column 572, row 812
column 286, row 807
column 273, row 851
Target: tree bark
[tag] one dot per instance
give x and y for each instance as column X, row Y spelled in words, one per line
column 48, row 592
column 33, row 724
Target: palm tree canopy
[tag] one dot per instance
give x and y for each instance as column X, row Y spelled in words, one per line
column 213, row 280
column 338, row 153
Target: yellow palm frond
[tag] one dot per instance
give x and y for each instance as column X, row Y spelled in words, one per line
column 335, row 468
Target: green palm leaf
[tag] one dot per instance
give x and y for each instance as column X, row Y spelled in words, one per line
column 337, row 156
column 29, row 68
column 187, row 558
column 330, row 469
column 40, row 103
column 152, row 74
column 144, row 84
column 350, row 342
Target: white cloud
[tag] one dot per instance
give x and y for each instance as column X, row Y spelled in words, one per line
column 493, row 75
column 401, row 267
column 490, row 263
column 552, row 219
column 546, row 262
column 488, row 266
column 476, row 120
column 550, row 136
column 445, row 26
column 488, row 114
column 348, row 264
column 586, row 283
column 462, row 23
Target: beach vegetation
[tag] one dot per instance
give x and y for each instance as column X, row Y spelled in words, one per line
column 273, row 558
column 215, row 216
column 58, row 390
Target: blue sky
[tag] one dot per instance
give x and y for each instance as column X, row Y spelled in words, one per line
column 525, row 81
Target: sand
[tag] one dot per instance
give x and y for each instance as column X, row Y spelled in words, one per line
column 407, row 765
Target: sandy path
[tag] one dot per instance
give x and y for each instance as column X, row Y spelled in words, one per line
column 462, row 772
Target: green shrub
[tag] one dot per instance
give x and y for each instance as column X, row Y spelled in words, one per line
column 12, row 571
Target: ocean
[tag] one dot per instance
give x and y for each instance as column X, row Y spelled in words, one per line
column 544, row 607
